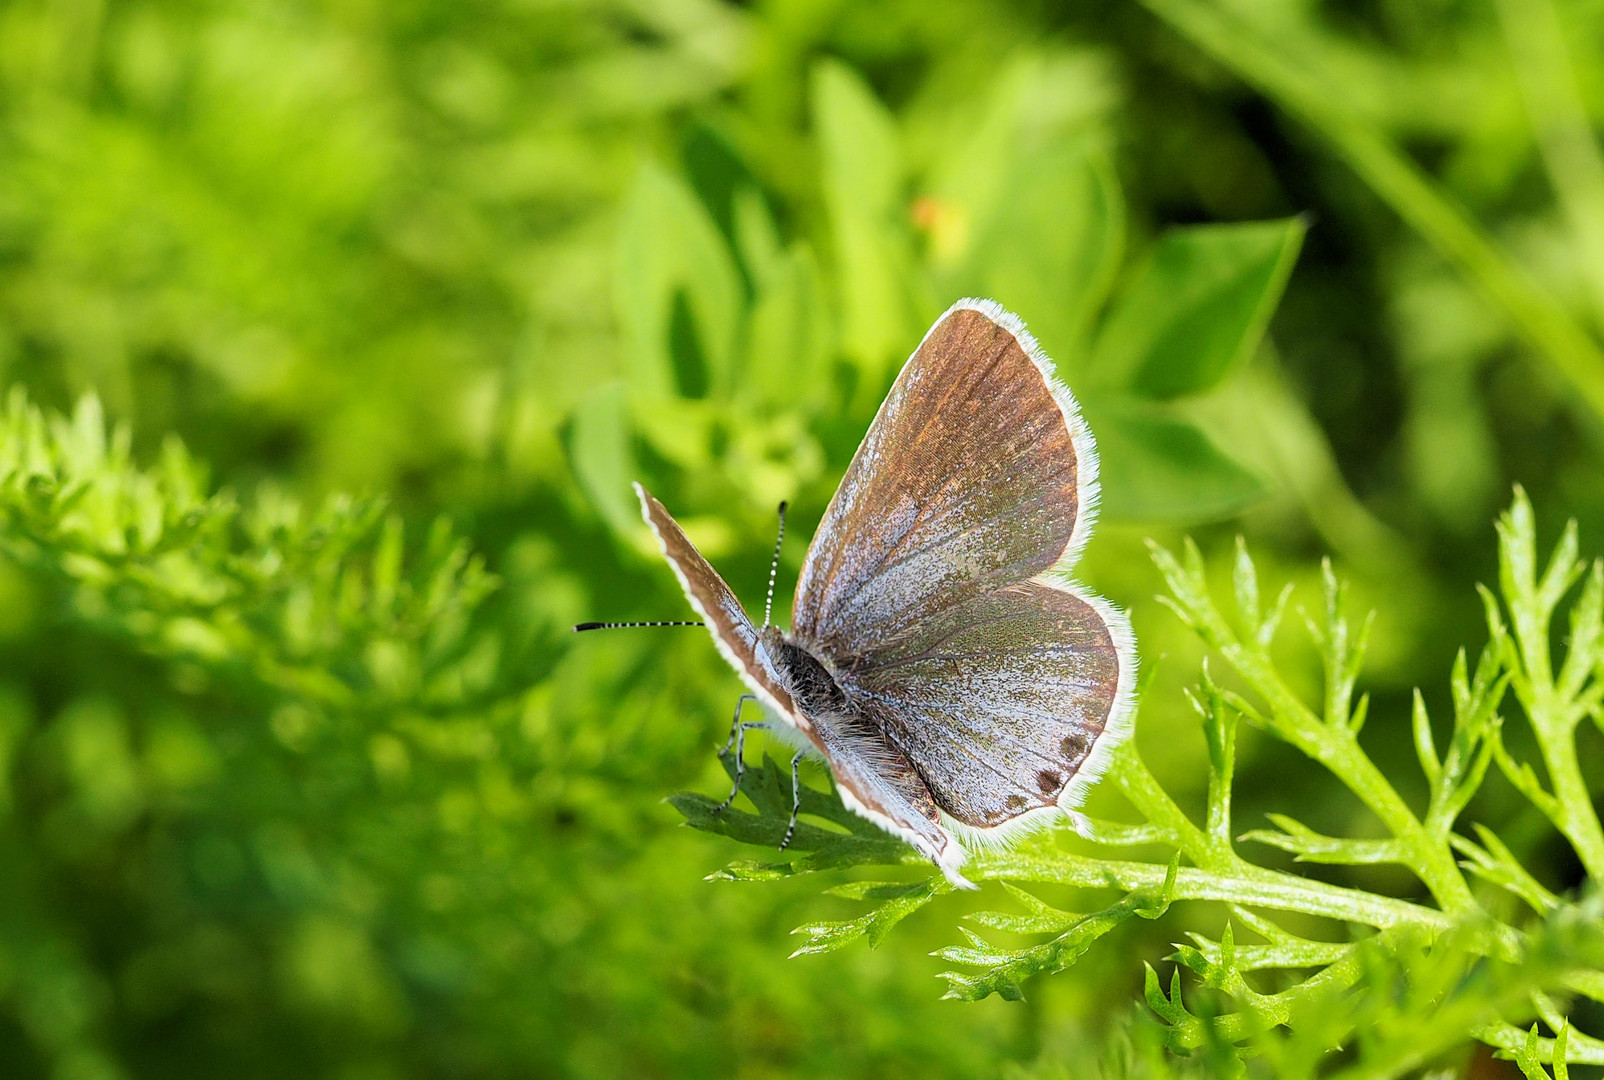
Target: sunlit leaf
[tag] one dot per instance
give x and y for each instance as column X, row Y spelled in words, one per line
column 1158, row 467
column 676, row 291
column 1023, row 206
column 863, row 178
column 1197, row 306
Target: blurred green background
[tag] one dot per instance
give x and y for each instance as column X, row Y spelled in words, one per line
column 492, row 261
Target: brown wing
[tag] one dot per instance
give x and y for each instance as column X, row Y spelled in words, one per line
column 977, row 473
column 733, row 633
column 1008, row 703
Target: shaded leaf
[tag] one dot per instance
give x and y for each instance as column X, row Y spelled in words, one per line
column 603, row 462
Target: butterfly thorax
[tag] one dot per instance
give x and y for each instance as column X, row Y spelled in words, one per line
column 801, row 673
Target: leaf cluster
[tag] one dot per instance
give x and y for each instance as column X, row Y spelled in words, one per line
column 237, row 700
column 723, row 315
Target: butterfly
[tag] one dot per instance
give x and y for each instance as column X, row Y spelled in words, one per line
column 960, row 686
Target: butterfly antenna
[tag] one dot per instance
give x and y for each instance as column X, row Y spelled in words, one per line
column 774, row 568
column 619, row 625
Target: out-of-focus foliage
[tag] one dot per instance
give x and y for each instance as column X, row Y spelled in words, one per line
column 298, row 779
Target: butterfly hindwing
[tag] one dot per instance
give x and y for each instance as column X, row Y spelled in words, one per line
column 1002, row 701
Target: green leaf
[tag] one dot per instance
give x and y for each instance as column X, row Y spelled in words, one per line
column 1310, row 846
column 788, row 339
column 1526, row 1057
column 1037, row 918
column 1326, row 106
column 1492, row 861
column 603, row 462
column 1054, row 278
column 1197, row 307
column 1159, row 467
column 676, row 291
column 1034, row 154
column 897, row 903
column 863, row 179
column 1006, row 969
column 812, row 848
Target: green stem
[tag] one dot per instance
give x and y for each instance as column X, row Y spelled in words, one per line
column 1431, row 857
column 1337, row 749
column 1402, row 185
column 1577, row 819
column 1249, row 886
column 1221, row 874
column 1554, row 719
column 1154, row 804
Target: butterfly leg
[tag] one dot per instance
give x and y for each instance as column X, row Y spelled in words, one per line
column 796, row 801
column 735, row 725
column 737, row 738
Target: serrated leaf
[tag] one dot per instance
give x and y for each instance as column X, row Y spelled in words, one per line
column 1299, row 953
column 812, row 848
column 898, row 902
column 1493, row 862
column 1037, row 918
column 1310, row 846
column 1007, row 969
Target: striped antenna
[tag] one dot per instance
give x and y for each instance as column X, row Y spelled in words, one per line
column 774, row 568
column 620, row 625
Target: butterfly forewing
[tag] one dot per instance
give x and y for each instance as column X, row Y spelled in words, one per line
column 967, row 480
column 733, row 633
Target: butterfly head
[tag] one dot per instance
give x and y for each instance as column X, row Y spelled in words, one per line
column 770, row 652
